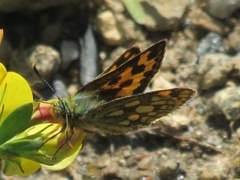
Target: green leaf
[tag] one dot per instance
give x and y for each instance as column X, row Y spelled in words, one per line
column 27, row 148
column 15, row 122
column 135, row 10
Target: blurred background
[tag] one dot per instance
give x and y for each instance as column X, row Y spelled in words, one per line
column 72, row 41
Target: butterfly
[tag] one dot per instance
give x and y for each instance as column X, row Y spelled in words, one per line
column 115, row 103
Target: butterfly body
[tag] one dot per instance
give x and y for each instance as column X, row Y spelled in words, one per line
column 114, row 103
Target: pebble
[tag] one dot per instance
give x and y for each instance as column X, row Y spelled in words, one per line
column 111, row 169
column 104, row 161
column 145, row 163
column 109, row 28
column 221, row 9
column 160, row 82
column 201, row 19
column 69, row 52
column 236, row 66
column 213, row 71
column 217, row 168
column 47, row 62
column 164, row 15
column 211, row 43
column 227, row 102
column 167, row 170
column 234, row 38
column 175, row 123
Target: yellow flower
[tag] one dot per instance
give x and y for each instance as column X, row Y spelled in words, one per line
column 14, row 92
column 30, row 136
column 34, row 138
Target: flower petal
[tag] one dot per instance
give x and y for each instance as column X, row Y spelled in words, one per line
column 68, row 153
column 15, row 92
column 19, row 166
column 3, row 73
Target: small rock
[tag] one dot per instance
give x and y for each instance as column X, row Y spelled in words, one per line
column 164, row 15
column 221, row 9
column 201, row 19
column 213, row 71
column 211, row 43
column 180, row 52
column 115, row 5
column 109, row 28
column 234, row 38
column 46, row 58
column 145, row 163
column 187, row 76
column 217, row 168
column 236, row 66
column 111, row 169
column 227, row 102
column 236, row 162
column 175, row 123
column 160, row 82
column 168, row 169
column 135, row 158
column 172, row 59
column 69, row 52
column 104, row 161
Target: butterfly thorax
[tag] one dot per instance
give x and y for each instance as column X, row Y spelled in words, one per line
column 73, row 110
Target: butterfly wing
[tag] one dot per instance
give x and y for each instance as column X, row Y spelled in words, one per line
column 130, row 78
column 128, row 55
column 133, row 112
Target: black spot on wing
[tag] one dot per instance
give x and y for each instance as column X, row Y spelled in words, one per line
column 155, row 66
column 147, row 74
column 109, row 94
column 175, row 93
column 114, row 81
column 126, row 83
column 138, row 89
column 138, row 69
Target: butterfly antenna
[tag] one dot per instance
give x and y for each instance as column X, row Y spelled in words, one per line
column 41, row 77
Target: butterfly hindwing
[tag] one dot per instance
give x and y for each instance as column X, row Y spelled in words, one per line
column 129, row 113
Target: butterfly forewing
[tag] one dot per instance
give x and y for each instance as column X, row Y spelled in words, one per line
column 129, row 113
column 131, row 77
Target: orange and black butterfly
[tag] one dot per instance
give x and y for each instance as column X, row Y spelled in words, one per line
column 114, row 102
